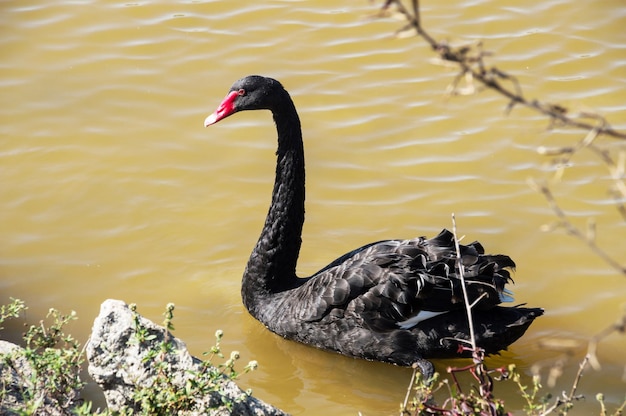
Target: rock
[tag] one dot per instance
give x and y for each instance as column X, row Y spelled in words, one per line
column 127, row 359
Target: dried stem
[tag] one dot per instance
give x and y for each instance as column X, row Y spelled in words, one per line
column 571, row 397
column 468, row 307
column 472, row 68
column 472, row 65
column 619, row 326
column 573, row 230
column 408, row 390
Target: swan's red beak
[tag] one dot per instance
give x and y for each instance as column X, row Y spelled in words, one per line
column 226, row 108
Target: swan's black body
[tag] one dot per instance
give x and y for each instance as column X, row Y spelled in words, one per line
column 366, row 303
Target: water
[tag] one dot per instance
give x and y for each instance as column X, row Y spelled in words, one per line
column 111, row 187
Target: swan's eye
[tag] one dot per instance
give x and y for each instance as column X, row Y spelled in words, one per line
column 241, row 92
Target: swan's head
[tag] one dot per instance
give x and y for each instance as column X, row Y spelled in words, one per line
column 253, row 92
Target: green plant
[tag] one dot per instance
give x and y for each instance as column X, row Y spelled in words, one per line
column 56, row 358
column 530, row 393
column 12, row 310
column 49, row 363
column 479, row 400
column 167, row 394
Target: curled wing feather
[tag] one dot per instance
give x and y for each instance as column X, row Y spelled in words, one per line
column 389, row 282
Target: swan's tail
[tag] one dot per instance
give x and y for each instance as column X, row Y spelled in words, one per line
column 485, row 275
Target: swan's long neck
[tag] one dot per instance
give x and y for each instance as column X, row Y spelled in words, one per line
column 272, row 264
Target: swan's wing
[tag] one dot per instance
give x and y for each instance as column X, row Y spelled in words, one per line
column 395, row 284
column 359, row 282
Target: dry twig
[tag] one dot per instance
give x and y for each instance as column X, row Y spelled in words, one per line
column 586, row 237
column 471, row 64
column 472, row 68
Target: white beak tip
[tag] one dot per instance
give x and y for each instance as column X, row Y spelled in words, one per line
column 212, row 119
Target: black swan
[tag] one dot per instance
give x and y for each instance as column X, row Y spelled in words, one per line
column 396, row 301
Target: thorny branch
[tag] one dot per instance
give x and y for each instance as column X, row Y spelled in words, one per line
column 568, row 399
column 586, row 237
column 619, row 326
column 468, row 307
column 472, row 67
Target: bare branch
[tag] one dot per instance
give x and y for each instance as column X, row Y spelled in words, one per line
column 568, row 399
column 572, row 230
column 459, row 262
column 470, row 62
column 618, row 326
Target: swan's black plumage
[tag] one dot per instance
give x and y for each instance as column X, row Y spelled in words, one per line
column 366, row 303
